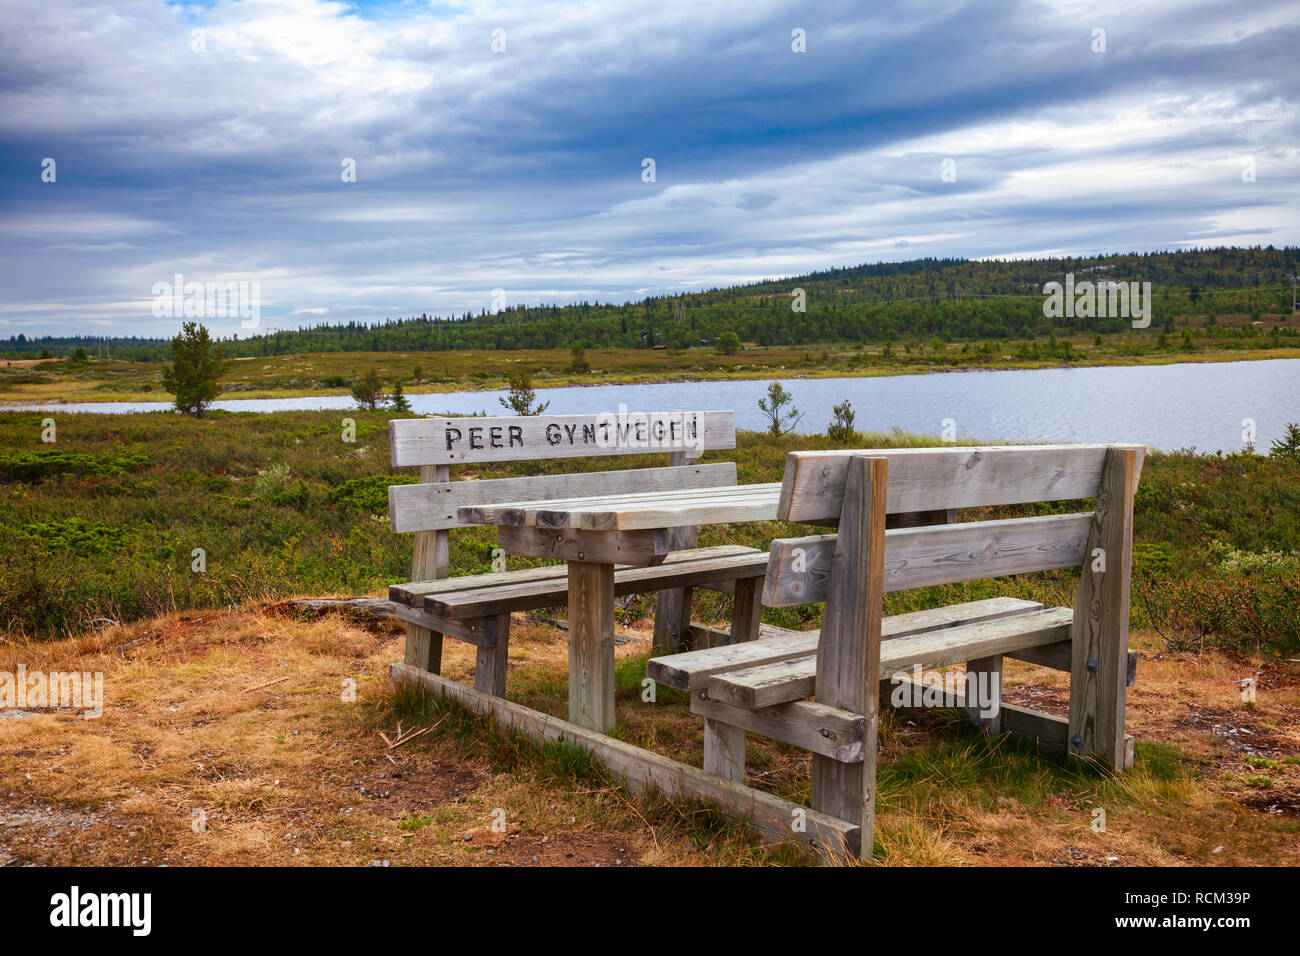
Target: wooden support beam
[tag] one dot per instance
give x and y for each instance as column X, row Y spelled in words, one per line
column 848, row 655
column 776, row 819
column 984, row 677
column 747, row 610
column 591, row 645
column 828, row 731
column 1099, row 661
column 724, row 750
column 490, row 662
column 431, row 559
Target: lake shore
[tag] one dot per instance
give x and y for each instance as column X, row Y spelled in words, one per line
column 490, row 369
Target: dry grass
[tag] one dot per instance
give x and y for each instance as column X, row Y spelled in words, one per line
column 241, row 715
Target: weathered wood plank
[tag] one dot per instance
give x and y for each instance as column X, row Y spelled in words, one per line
column 847, row 666
column 470, row 631
column 794, row 679
column 926, row 479
column 747, row 610
column 828, row 731
column 443, row 441
column 692, row 670
column 639, row 548
column 433, row 506
column 986, row 672
column 633, row 512
column 431, row 558
column 672, row 626
column 1057, row 657
column 490, row 661
column 414, row 592
column 799, row 568
column 724, row 750
column 1099, row 665
column 591, row 645
column 550, row 592
column 642, row 770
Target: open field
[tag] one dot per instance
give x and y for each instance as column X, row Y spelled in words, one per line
column 221, row 698
column 328, row 373
column 240, row 715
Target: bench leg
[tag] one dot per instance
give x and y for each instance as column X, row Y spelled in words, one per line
column 424, row 648
column 748, row 608
column 673, row 608
column 984, row 693
column 430, row 560
column 724, row 750
column 1099, row 649
column 591, row 645
column 490, row 664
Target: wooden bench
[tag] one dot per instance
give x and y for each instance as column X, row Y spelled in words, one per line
column 821, row 690
column 477, row 608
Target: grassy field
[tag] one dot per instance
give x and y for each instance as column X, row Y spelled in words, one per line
column 325, row 373
column 224, row 701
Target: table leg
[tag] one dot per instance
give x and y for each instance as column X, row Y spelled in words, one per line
column 591, row 645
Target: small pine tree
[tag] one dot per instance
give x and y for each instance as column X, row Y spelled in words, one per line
column 728, row 343
column 368, row 390
column 521, row 397
column 196, row 368
column 780, row 421
column 397, row 402
column 1288, row 446
column 841, row 430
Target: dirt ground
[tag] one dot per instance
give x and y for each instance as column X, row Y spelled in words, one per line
column 258, row 736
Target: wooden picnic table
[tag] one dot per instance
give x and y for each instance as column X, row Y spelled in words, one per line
column 592, row 535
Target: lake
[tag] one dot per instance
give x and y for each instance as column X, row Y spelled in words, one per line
column 1167, row 406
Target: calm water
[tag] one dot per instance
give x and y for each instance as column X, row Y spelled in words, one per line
column 1168, row 407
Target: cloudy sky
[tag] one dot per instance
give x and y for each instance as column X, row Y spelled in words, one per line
column 503, row 145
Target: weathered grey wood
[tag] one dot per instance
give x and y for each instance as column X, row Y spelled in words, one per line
column 433, row 506
column 550, row 592
column 430, row 559
column 747, row 610
column 672, row 626
column 692, row 670
column 828, row 731
column 724, row 750
column 703, row 637
column 639, row 548
column 470, row 631
column 926, row 479
column 989, row 670
column 794, row 679
column 1057, row 657
column 642, row 770
column 490, row 661
column 748, row 561
column 799, row 568
column 633, row 512
column 591, row 645
column 442, row 441
column 847, row 665
column 1099, row 664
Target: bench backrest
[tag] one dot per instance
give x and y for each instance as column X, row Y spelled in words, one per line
column 436, row 443
column 852, row 569
column 936, row 479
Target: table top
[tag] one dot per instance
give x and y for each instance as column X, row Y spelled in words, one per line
column 647, row 510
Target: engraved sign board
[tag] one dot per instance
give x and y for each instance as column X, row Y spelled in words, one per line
column 444, row 441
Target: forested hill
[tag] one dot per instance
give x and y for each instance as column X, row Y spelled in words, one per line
column 952, row 299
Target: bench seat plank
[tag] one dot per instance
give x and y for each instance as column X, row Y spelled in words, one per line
column 794, row 679
column 413, row 593
column 691, row 670
column 547, row 592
